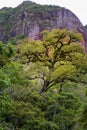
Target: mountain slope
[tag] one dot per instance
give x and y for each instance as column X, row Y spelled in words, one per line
column 30, row 19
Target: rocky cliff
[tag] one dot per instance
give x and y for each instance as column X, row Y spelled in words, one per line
column 30, row 19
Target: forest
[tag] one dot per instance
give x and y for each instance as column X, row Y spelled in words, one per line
column 43, row 83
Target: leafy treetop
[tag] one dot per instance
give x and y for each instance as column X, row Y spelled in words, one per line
column 55, row 59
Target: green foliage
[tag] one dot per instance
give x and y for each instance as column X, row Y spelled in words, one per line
column 9, row 71
column 16, row 39
column 52, row 110
column 4, row 80
column 11, row 75
column 13, row 70
column 49, row 111
column 1, row 127
column 5, row 103
column 44, row 9
column 83, row 119
column 6, row 52
column 55, row 59
column 57, row 64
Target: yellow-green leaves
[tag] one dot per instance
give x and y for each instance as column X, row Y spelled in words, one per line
column 63, row 72
column 56, row 58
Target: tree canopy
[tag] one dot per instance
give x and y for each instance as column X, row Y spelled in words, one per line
column 58, row 57
column 43, row 83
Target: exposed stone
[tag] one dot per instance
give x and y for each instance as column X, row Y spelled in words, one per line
column 30, row 23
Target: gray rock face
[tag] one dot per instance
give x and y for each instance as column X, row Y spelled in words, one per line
column 66, row 19
column 31, row 23
column 1, row 34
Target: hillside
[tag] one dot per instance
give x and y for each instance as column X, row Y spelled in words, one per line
column 43, row 69
column 30, row 19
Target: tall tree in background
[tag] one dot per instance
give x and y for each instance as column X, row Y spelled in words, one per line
column 58, row 57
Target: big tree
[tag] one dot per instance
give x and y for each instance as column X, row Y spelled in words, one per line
column 58, row 57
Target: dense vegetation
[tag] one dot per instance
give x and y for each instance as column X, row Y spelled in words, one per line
column 43, row 83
